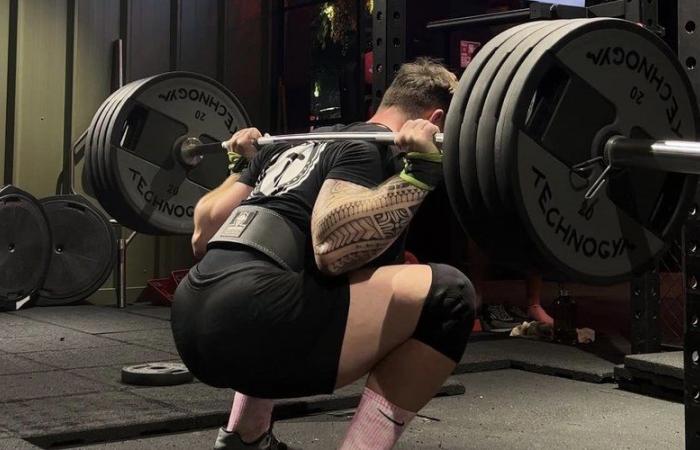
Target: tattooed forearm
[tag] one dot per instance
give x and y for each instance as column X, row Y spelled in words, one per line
column 354, row 224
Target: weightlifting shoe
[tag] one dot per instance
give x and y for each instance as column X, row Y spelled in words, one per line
column 232, row 441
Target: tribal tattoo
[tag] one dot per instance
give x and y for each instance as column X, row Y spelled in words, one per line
column 356, row 224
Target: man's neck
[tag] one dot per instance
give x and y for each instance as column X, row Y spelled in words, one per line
column 391, row 117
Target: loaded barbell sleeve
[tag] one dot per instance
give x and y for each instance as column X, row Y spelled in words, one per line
column 666, row 156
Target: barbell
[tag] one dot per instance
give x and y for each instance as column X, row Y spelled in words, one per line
column 566, row 147
column 192, row 151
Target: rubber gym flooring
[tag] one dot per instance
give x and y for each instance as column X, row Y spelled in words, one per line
column 60, row 369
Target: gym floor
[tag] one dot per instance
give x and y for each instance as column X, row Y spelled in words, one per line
column 60, row 366
column 506, row 409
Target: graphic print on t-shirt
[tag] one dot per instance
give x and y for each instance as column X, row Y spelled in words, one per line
column 288, row 169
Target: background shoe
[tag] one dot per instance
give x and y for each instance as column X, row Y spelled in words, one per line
column 518, row 314
column 495, row 318
column 227, row 440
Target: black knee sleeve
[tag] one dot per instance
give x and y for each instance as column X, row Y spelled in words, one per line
column 448, row 312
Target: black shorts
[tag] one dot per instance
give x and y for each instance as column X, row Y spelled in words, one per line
column 260, row 329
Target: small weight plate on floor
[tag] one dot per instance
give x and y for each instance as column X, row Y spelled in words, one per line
column 453, row 123
column 156, row 374
column 578, row 87
column 84, row 250
column 141, row 139
column 25, row 247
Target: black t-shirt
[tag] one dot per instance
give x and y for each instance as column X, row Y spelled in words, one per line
column 287, row 179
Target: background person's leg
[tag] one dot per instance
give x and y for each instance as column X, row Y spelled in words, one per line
column 534, row 298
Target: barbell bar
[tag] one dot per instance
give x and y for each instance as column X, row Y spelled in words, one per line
column 620, row 152
column 193, row 152
column 554, row 110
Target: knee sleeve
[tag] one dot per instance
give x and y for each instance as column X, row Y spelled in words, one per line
column 448, row 313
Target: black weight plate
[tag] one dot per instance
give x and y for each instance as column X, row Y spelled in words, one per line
column 141, row 138
column 467, row 135
column 156, row 374
column 89, row 168
column 84, row 250
column 25, row 247
column 92, row 151
column 578, row 87
column 494, row 236
column 104, row 164
column 105, row 186
column 453, row 123
column 488, row 120
column 123, row 215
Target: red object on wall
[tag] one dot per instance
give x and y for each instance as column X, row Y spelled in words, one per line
column 369, row 67
column 467, row 50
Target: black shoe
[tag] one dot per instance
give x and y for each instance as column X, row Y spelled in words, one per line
column 518, row 314
column 497, row 319
column 228, row 440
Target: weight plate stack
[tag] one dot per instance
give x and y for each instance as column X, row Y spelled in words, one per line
column 92, row 168
column 474, row 226
column 513, row 247
column 488, row 119
column 25, row 248
column 150, row 189
column 506, row 248
column 578, row 87
column 84, row 250
column 117, row 209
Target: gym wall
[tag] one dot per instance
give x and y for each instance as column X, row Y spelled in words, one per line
column 57, row 66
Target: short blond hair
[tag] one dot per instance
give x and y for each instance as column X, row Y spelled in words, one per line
column 419, row 86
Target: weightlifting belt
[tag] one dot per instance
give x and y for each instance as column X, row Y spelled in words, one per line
column 266, row 231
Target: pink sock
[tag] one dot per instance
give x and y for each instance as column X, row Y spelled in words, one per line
column 250, row 416
column 377, row 424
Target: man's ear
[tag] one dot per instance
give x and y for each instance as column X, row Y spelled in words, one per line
column 437, row 117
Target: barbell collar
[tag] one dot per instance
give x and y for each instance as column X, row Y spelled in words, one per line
column 193, row 154
column 667, row 156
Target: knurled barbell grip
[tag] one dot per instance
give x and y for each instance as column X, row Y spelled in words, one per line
column 192, row 154
column 380, row 137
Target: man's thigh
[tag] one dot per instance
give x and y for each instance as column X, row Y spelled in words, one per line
column 385, row 305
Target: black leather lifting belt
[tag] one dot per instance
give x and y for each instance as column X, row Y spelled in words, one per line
column 266, row 231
